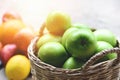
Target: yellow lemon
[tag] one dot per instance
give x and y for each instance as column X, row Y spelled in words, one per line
column 17, row 68
column 57, row 22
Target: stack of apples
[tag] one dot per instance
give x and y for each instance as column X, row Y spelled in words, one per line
column 69, row 45
column 15, row 36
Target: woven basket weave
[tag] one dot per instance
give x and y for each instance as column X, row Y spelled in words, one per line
column 107, row 70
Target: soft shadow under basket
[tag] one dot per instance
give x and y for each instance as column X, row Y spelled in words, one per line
column 107, row 70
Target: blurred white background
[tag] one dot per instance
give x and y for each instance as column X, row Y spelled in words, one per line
column 97, row 13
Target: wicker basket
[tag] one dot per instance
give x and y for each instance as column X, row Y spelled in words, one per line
column 107, row 70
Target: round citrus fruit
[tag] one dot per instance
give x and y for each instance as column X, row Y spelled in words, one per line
column 58, row 22
column 17, row 68
column 9, row 29
column 23, row 38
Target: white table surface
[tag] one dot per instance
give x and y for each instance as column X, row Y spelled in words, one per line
column 96, row 13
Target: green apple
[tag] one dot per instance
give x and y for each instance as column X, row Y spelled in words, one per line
column 74, row 27
column 57, row 22
column 81, row 43
column 81, row 26
column 72, row 63
column 66, row 34
column 53, row 53
column 47, row 38
column 106, row 35
column 102, row 45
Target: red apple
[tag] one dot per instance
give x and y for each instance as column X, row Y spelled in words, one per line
column 7, row 52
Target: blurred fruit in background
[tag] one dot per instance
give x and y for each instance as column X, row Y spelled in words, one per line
column 17, row 68
column 15, row 36
column 23, row 38
column 14, row 31
column 7, row 52
column 9, row 15
column 9, row 29
column 0, row 64
column 1, row 46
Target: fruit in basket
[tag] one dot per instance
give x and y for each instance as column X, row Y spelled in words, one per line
column 17, row 68
column 105, row 35
column 81, row 43
column 81, row 26
column 23, row 38
column 47, row 38
column 72, row 63
column 73, row 28
column 10, row 15
column 58, row 22
column 66, row 33
column 102, row 45
column 53, row 53
column 9, row 29
column 7, row 52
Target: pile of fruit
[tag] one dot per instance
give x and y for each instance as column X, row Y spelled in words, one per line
column 61, row 43
column 69, row 45
column 15, row 36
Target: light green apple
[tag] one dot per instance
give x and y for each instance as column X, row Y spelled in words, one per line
column 80, row 26
column 105, row 35
column 102, row 45
column 72, row 63
column 53, row 53
column 47, row 38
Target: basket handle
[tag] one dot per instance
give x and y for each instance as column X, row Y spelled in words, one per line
column 41, row 30
column 101, row 54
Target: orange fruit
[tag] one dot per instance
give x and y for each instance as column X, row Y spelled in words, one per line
column 9, row 15
column 17, row 68
column 1, row 31
column 9, row 29
column 1, row 46
column 23, row 38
